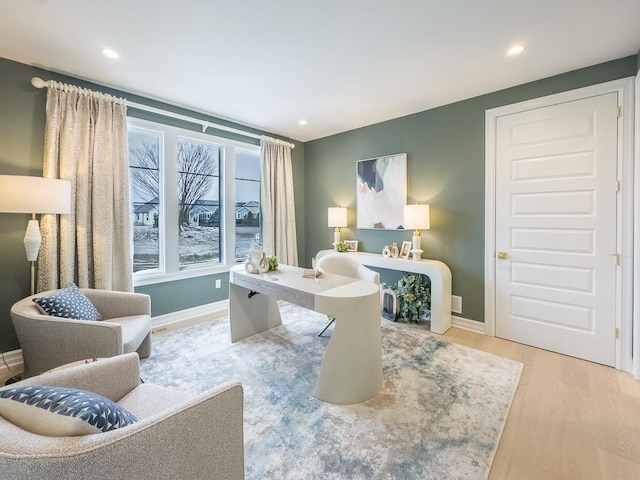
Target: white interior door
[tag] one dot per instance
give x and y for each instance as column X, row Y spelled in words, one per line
column 556, row 224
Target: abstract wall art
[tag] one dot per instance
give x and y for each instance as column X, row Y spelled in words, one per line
column 381, row 192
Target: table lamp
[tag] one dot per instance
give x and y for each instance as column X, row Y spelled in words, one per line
column 22, row 194
column 416, row 217
column 337, row 217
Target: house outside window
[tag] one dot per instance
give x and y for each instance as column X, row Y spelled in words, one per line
column 195, row 201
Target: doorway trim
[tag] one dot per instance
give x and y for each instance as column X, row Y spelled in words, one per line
column 635, row 330
column 625, row 224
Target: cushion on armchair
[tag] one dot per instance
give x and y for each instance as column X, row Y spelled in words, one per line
column 68, row 302
column 61, row 411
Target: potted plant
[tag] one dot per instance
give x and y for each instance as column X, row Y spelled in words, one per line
column 414, row 295
column 342, row 247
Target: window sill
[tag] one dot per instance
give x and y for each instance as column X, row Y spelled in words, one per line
column 154, row 278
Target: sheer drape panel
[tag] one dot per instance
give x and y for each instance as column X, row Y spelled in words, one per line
column 277, row 201
column 86, row 142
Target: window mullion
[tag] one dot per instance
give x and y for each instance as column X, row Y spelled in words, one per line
column 228, row 194
column 170, row 203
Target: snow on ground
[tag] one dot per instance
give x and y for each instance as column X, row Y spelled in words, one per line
column 196, row 244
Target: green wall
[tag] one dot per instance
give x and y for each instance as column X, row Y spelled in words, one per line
column 22, row 118
column 445, row 150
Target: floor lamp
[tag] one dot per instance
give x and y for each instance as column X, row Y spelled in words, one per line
column 34, row 195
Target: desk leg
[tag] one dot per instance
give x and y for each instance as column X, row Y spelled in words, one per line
column 248, row 316
column 351, row 370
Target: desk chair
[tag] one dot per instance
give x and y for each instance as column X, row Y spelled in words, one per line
column 342, row 264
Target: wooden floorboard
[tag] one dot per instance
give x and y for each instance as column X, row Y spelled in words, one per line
column 570, row 419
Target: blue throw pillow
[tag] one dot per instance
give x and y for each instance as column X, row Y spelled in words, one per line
column 61, row 411
column 68, row 302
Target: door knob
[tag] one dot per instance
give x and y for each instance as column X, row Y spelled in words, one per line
column 502, row 255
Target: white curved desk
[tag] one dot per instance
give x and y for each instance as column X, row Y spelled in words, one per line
column 351, row 370
column 438, row 273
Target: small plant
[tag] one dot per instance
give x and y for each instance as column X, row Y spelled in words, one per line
column 414, row 295
column 342, row 247
column 273, row 262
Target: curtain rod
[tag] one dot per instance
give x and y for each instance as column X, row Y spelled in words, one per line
column 39, row 83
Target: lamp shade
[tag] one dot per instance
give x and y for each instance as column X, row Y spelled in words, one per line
column 417, row 217
column 337, row 217
column 23, row 194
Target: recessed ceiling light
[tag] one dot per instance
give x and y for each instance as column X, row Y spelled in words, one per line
column 515, row 50
column 302, row 122
column 107, row 52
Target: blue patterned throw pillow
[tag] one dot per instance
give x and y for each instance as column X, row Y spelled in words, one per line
column 68, row 302
column 62, row 412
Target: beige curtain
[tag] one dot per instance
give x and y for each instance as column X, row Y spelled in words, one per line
column 277, row 204
column 86, row 143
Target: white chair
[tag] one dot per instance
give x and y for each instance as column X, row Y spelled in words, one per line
column 342, row 264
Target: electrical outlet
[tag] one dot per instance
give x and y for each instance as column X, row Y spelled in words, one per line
column 456, row 304
column 218, row 283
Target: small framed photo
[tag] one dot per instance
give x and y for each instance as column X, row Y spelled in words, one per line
column 352, row 245
column 405, row 250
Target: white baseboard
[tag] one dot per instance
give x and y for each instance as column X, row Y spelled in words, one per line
column 189, row 316
column 14, row 361
column 466, row 324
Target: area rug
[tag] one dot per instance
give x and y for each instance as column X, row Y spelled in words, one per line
column 439, row 416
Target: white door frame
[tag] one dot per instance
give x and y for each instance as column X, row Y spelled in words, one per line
column 635, row 364
column 625, row 233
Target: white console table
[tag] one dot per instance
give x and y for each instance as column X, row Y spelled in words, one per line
column 438, row 273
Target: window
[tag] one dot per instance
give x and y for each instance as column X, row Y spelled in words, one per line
column 196, row 201
column 247, row 207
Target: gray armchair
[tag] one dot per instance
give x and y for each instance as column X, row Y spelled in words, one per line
column 176, row 436
column 48, row 342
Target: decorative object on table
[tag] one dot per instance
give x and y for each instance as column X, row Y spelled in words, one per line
column 352, row 245
column 253, row 264
column 381, row 191
column 386, row 251
column 24, row 194
column 273, row 263
column 311, row 273
column 342, row 247
column 264, row 263
column 394, row 250
column 337, row 217
column 405, row 250
column 389, row 303
column 417, row 217
column 414, row 296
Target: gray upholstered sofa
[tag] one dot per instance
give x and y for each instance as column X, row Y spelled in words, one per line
column 48, row 342
column 177, row 436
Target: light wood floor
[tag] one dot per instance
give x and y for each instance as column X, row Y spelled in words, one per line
column 570, row 419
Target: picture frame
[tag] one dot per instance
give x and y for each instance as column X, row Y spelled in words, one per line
column 381, row 192
column 352, row 245
column 405, row 250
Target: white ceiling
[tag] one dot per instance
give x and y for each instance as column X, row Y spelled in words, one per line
column 339, row 64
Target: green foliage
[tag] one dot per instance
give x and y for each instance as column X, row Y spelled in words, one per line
column 341, row 247
column 414, row 295
column 273, row 263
